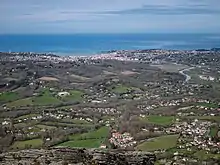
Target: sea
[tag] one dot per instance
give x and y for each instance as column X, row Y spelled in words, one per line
column 90, row 44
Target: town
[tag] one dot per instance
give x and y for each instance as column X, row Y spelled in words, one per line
column 166, row 102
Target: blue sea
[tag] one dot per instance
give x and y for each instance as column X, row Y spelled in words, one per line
column 87, row 44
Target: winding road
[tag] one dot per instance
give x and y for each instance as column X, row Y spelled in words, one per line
column 188, row 77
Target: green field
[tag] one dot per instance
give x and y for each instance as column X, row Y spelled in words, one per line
column 46, row 100
column 87, row 140
column 21, row 103
column 89, row 143
column 170, row 67
column 100, row 133
column 27, row 116
column 75, row 95
column 34, row 143
column 75, row 136
column 34, row 129
column 202, row 155
column 120, row 89
column 63, row 124
column 208, row 105
column 75, row 121
column 8, row 96
column 159, row 120
column 45, row 127
column 211, row 118
column 97, row 134
column 46, row 97
column 159, row 143
column 214, row 131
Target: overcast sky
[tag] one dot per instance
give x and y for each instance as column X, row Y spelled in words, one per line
column 109, row 16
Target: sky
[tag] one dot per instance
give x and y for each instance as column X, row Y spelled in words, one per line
column 109, row 16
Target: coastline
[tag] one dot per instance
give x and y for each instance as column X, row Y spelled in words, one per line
column 92, row 44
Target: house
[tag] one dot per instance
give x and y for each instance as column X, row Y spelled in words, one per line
column 103, row 146
column 63, row 94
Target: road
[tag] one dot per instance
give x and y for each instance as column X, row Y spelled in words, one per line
column 188, row 77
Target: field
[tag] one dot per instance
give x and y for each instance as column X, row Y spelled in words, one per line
column 48, row 79
column 8, row 96
column 63, row 124
column 46, row 127
column 210, row 118
column 100, row 133
column 120, row 89
column 169, row 67
column 75, row 95
column 159, row 143
column 159, row 120
column 128, row 73
column 87, row 140
column 208, row 105
column 75, row 121
column 82, row 78
column 27, row 116
column 20, row 103
column 46, row 98
column 89, row 143
column 214, row 131
column 34, row 143
column 202, row 155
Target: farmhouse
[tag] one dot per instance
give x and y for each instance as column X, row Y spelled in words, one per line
column 63, row 94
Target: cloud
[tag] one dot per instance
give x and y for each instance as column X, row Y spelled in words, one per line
column 169, row 10
column 69, row 16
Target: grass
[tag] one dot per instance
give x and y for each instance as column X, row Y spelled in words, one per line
column 46, row 98
column 21, row 103
column 34, row 143
column 208, row 105
column 181, row 151
column 75, row 121
column 100, row 133
column 75, row 136
column 60, row 124
column 87, row 140
column 97, row 134
column 210, row 118
column 170, row 67
column 75, row 95
column 41, row 126
column 20, row 125
column 34, row 129
column 202, row 155
column 159, row 120
column 120, row 89
column 159, row 143
column 27, row 116
column 8, row 96
column 213, row 131
column 79, row 77
column 89, row 143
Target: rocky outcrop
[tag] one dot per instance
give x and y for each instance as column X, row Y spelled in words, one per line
column 64, row 156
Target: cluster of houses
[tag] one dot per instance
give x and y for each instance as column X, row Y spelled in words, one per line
column 145, row 108
column 197, row 131
column 105, row 111
column 122, row 140
column 206, row 78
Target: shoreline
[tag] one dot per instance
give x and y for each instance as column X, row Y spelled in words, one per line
column 100, row 53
